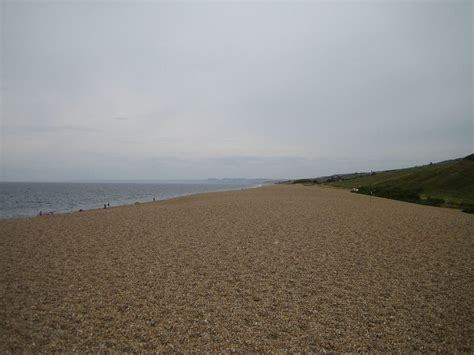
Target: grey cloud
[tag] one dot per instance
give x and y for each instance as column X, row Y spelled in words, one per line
column 194, row 89
column 48, row 129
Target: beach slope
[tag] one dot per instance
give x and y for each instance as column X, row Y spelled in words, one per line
column 274, row 268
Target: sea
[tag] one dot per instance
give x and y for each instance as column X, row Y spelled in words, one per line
column 25, row 199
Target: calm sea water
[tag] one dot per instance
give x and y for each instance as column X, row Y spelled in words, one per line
column 27, row 199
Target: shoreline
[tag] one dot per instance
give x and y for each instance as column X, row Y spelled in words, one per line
column 131, row 204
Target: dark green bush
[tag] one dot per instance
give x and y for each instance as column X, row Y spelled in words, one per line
column 409, row 195
column 431, row 201
column 305, row 181
column 467, row 207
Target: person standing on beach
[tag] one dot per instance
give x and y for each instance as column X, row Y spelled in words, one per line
column 105, row 206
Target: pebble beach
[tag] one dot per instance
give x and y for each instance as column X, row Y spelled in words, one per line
column 275, row 268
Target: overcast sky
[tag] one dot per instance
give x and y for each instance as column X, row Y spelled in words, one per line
column 162, row 90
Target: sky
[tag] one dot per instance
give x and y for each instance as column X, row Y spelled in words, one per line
column 173, row 90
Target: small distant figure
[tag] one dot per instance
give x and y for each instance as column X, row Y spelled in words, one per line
column 154, row 199
column 108, row 204
column 81, row 210
column 105, row 206
column 46, row 213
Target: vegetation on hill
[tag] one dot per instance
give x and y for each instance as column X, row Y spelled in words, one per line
column 449, row 183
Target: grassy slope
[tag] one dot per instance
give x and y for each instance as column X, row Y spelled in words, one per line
column 451, row 180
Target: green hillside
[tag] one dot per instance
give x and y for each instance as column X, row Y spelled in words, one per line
column 449, row 183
